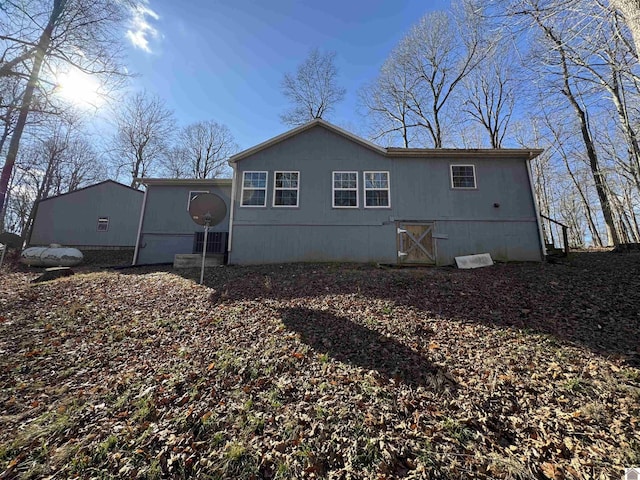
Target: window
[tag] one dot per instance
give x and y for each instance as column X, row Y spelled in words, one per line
column 103, row 224
column 285, row 189
column 345, row 189
column 463, row 176
column 193, row 194
column 254, row 189
column 376, row 189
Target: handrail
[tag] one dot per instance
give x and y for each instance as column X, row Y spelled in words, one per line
column 554, row 221
column 565, row 234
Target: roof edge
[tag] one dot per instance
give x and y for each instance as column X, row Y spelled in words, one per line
column 91, row 186
column 526, row 153
column 295, row 131
column 185, row 181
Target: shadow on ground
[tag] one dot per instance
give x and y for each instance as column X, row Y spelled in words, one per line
column 352, row 343
column 593, row 299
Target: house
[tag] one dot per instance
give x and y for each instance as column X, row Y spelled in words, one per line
column 318, row 193
column 100, row 216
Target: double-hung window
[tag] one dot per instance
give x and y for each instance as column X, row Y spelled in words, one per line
column 254, row 189
column 463, row 176
column 376, row 189
column 286, row 186
column 345, row 189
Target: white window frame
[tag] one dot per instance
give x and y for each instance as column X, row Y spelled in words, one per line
column 102, row 220
column 191, row 196
column 475, row 179
column 334, row 189
column 266, row 186
column 297, row 189
column 388, row 189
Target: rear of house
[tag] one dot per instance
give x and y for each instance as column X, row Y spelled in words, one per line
column 321, row 194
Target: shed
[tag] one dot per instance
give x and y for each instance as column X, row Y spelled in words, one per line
column 100, row 216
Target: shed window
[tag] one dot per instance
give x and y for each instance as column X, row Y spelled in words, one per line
column 254, row 189
column 345, row 189
column 376, row 189
column 285, row 189
column 463, row 176
column 103, row 224
column 193, row 194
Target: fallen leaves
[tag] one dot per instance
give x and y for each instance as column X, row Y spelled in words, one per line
column 308, row 371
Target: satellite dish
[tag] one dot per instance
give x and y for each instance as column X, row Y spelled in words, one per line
column 207, row 209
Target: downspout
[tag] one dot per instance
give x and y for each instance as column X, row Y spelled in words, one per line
column 144, row 204
column 543, row 248
column 231, row 210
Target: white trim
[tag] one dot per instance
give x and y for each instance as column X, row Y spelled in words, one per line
column 297, row 189
column 266, row 187
column 232, row 209
column 388, row 189
column 334, row 189
column 137, row 249
column 543, row 247
column 189, row 198
column 475, row 178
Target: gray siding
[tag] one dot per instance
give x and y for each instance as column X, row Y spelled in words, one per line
column 72, row 219
column 420, row 191
column 167, row 227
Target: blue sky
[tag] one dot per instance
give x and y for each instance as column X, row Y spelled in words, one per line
column 224, row 60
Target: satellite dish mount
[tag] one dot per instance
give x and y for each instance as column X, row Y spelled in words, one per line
column 208, row 210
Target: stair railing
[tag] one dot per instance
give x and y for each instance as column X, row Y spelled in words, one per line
column 565, row 234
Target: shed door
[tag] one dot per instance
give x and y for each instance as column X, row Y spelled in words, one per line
column 415, row 243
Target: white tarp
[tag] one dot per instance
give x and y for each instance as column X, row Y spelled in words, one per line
column 474, row 261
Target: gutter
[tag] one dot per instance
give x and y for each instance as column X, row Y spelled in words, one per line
column 231, row 210
column 543, row 248
column 144, row 205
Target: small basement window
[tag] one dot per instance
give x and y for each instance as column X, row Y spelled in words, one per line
column 463, row 176
column 193, row 194
column 285, row 189
column 254, row 189
column 376, row 189
column 345, row 189
column 103, row 224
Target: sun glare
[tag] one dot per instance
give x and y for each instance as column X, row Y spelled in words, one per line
column 79, row 88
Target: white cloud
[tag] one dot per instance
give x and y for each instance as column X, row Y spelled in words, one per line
column 141, row 30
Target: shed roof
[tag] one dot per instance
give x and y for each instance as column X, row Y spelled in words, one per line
column 391, row 151
column 92, row 186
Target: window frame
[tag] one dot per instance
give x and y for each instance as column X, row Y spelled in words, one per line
column 475, row 178
column 190, row 198
column 243, row 188
column 334, row 189
column 275, row 188
column 388, row 189
column 102, row 220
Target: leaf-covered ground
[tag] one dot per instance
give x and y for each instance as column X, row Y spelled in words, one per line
column 324, row 371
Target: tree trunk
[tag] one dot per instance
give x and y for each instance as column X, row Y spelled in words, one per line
column 631, row 11
column 25, row 107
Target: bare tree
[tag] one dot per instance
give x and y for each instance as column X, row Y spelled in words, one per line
column 386, row 101
column 144, row 130
column 490, row 97
column 41, row 35
column 631, row 11
column 313, row 90
column 202, row 151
